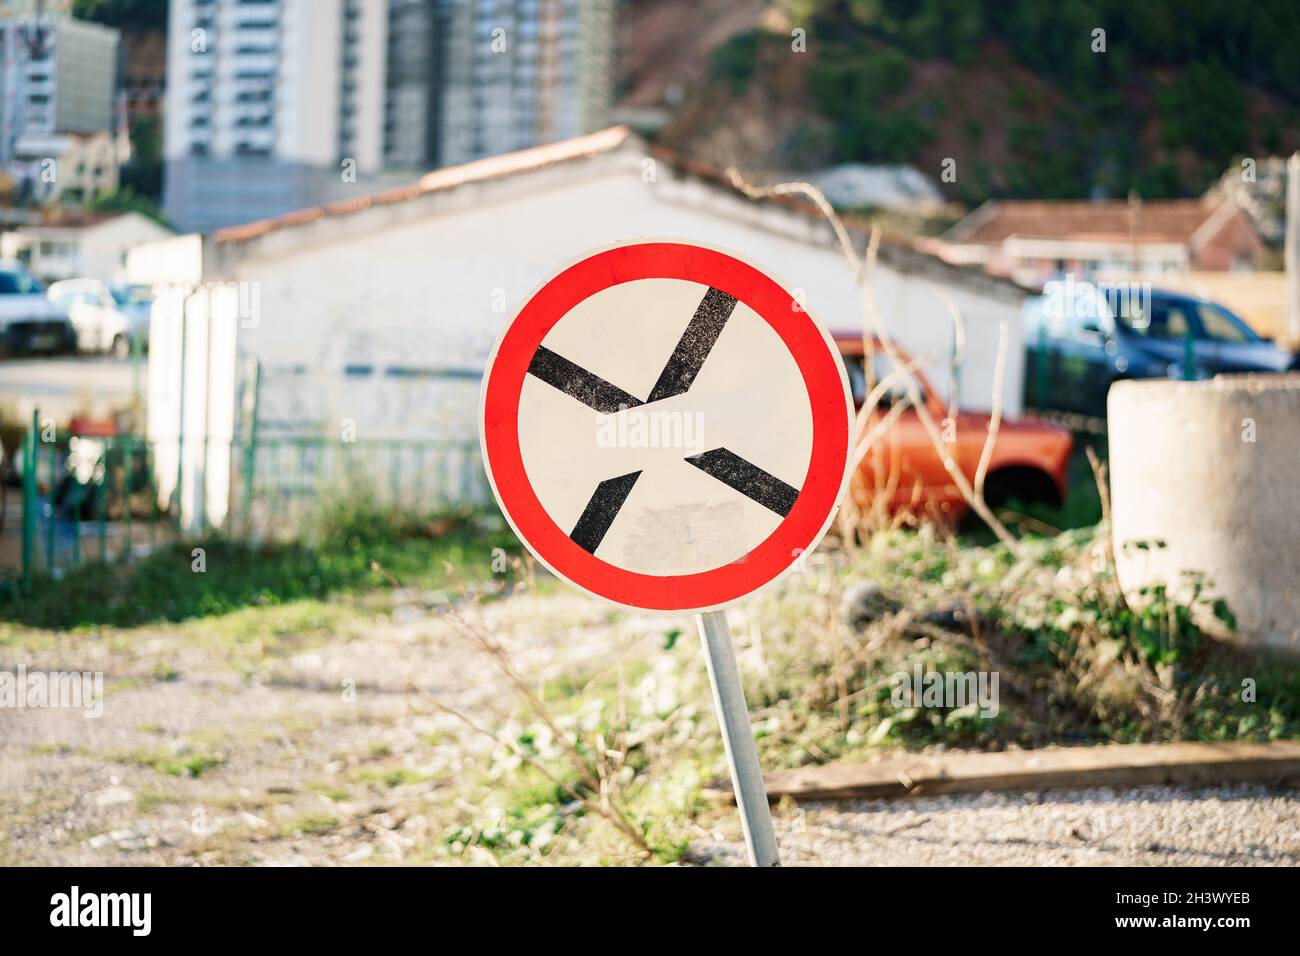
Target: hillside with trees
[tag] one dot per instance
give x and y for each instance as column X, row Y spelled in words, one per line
column 1070, row 99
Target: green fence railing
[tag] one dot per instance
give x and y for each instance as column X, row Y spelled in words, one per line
column 284, row 480
column 111, row 498
column 88, row 497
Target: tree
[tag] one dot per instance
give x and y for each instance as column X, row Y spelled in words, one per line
column 125, row 200
column 123, row 14
column 143, row 175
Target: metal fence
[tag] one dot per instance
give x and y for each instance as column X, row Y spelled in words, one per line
column 112, row 498
column 283, row 482
column 88, row 497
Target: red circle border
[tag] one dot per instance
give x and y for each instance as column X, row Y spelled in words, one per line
column 812, row 351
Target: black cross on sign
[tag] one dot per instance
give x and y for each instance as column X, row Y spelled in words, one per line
column 676, row 378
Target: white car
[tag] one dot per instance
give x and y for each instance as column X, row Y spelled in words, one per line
column 108, row 318
column 29, row 322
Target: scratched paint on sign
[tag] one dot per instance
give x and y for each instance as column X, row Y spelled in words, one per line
column 683, row 349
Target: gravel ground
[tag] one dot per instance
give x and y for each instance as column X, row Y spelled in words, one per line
column 1244, row 825
column 322, row 748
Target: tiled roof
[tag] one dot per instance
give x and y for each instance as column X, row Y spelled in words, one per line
column 494, row 167
column 1174, row 220
column 57, row 217
column 581, row 147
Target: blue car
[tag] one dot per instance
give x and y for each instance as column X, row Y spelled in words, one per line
column 1080, row 337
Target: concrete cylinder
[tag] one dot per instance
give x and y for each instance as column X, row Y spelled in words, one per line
column 1205, row 480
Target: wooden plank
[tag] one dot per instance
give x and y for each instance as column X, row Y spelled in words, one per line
column 1110, row 765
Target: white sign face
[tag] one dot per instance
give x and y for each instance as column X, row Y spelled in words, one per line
column 666, row 427
column 747, row 397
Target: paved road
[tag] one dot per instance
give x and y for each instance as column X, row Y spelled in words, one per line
column 1244, row 825
column 63, row 385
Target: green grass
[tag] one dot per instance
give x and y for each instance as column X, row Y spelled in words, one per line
column 59, row 749
column 311, row 824
column 533, row 812
column 172, row 764
column 1081, row 508
column 392, row 777
column 417, row 551
column 1076, row 664
column 331, row 792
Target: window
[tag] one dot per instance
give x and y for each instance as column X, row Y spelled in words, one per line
column 1078, row 311
column 1175, row 318
column 1162, row 320
column 132, row 294
column 857, row 378
column 1220, row 325
column 19, row 283
column 881, row 367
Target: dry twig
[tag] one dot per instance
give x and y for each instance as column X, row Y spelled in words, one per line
column 862, row 271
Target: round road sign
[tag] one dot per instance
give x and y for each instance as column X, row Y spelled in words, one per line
column 665, row 426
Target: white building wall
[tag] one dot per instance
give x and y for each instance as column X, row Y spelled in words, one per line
column 404, row 288
column 191, row 411
column 104, row 247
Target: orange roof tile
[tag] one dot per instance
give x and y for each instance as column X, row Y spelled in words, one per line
column 580, row 147
column 1172, row 220
column 479, row 170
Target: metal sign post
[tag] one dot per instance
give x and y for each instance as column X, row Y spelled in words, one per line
column 738, row 739
column 667, row 427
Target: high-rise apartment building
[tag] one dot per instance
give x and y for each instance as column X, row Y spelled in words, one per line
column 474, row 78
column 57, row 75
column 517, row 73
column 271, row 105
column 144, row 72
column 411, row 107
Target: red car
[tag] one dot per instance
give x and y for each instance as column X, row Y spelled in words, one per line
column 1028, row 463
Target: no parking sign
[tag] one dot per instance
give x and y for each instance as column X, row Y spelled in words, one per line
column 666, row 427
